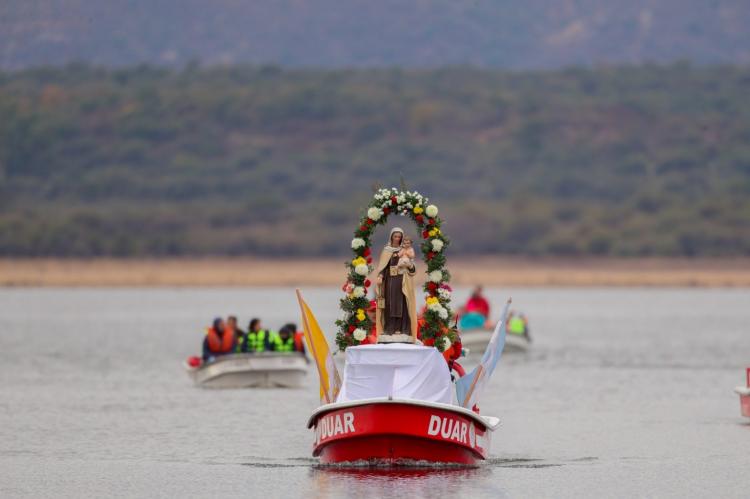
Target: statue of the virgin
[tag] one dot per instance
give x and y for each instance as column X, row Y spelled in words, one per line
column 396, row 313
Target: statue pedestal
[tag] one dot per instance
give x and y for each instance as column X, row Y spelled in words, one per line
column 396, row 338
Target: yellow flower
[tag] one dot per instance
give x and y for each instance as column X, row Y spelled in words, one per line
column 434, row 232
column 359, row 261
column 431, row 300
column 360, row 314
column 418, row 210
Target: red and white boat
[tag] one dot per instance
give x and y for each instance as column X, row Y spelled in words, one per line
column 396, row 406
column 393, row 431
column 744, row 393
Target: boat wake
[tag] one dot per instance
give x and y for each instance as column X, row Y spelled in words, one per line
column 378, row 465
column 529, row 463
column 392, row 463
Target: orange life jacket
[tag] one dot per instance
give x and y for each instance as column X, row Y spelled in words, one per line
column 298, row 337
column 223, row 344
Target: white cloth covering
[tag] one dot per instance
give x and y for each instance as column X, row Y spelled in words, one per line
column 396, row 370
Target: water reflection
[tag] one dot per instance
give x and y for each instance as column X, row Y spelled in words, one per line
column 402, row 482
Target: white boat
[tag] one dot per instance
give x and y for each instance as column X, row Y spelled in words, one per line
column 475, row 341
column 251, row 370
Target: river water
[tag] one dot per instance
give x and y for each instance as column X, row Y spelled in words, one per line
column 626, row 392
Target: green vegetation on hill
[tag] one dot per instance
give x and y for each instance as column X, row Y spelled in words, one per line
column 648, row 160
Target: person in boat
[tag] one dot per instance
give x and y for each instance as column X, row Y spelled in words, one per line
column 396, row 313
column 476, row 312
column 518, row 325
column 256, row 339
column 287, row 340
column 478, row 303
column 299, row 337
column 238, row 333
column 219, row 340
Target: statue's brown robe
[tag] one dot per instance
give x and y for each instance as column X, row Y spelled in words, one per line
column 407, row 287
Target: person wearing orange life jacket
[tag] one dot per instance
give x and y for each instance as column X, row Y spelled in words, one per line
column 219, row 341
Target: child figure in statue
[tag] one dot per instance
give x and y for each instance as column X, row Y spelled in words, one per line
column 406, row 255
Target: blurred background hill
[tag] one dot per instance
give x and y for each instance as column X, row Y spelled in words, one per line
column 325, row 33
column 255, row 128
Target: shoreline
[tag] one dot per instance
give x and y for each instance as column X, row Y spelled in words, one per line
column 489, row 271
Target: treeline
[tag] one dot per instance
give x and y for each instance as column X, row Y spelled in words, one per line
column 647, row 160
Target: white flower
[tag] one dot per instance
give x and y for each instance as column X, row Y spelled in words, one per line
column 374, row 213
column 438, row 309
column 357, row 242
column 435, row 276
column 362, row 269
column 401, row 198
column 358, row 292
column 437, row 245
column 431, row 211
column 446, row 343
column 444, row 294
column 359, row 334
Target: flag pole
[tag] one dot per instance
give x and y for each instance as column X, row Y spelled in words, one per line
column 480, row 371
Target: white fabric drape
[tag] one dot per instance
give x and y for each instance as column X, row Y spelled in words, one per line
column 396, row 370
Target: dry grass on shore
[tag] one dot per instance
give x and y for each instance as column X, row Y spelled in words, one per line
column 259, row 272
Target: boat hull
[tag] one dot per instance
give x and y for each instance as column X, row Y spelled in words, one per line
column 476, row 341
column 261, row 370
column 400, row 431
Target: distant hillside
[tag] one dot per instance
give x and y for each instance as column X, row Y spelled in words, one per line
column 336, row 33
column 242, row 160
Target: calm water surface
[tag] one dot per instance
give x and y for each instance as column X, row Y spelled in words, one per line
column 625, row 393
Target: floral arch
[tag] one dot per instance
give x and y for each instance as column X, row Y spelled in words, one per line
column 435, row 328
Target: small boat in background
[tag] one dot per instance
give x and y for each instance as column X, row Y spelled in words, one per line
column 475, row 341
column 744, row 393
column 476, row 331
column 250, row 370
